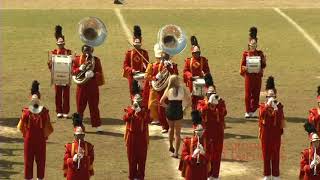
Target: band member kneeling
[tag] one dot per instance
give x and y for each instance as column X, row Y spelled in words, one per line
column 78, row 157
column 213, row 111
column 88, row 91
column 271, row 125
column 310, row 157
column 35, row 127
column 137, row 119
column 194, row 162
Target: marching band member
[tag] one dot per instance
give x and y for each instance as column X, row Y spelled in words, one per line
column 88, row 92
column 213, row 111
column 271, row 124
column 35, row 89
column 78, row 159
column 314, row 116
column 177, row 96
column 194, row 162
column 154, row 73
column 310, row 159
column 195, row 67
column 137, row 119
column 35, row 127
column 252, row 80
column 133, row 62
column 62, row 91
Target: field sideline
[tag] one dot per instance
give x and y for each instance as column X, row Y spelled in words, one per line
column 27, row 35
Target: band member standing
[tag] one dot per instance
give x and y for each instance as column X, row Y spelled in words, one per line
column 137, row 119
column 157, row 75
column 194, row 162
column 213, row 111
column 134, row 62
column 252, row 79
column 35, row 127
column 195, row 67
column 314, row 114
column 178, row 98
column 62, row 91
column 78, row 158
column 310, row 159
column 271, row 124
column 88, row 92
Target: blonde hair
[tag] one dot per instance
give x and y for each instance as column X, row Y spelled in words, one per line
column 174, row 83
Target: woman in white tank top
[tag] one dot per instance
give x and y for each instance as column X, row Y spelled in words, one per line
column 175, row 98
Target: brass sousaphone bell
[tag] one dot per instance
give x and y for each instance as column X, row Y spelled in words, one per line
column 92, row 32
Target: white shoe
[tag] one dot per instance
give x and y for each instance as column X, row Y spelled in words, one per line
column 275, row 178
column 59, row 115
column 215, row 178
column 253, row 114
column 65, row 115
column 155, row 123
column 247, row 115
column 99, row 129
column 164, row 131
column 267, row 178
column 39, row 179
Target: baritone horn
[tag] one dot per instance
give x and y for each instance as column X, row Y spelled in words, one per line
column 92, row 32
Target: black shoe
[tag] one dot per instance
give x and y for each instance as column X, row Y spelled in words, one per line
column 117, row 2
column 171, row 149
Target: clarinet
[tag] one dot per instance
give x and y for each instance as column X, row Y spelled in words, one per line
column 78, row 156
column 198, row 156
column 314, row 158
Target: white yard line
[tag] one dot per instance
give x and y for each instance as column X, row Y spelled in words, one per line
column 300, row 29
column 152, row 130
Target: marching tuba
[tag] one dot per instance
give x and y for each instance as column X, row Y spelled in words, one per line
column 93, row 33
column 172, row 41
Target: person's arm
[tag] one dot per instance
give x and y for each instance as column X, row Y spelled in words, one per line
column 91, row 157
column 67, row 159
column 98, row 74
column 187, row 75
column 127, row 69
column 164, row 98
column 206, row 68
column 243, row 64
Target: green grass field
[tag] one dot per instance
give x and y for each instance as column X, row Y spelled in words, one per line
column 27, row 35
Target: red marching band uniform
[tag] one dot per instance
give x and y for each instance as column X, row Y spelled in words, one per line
column 62, row 96
column 72, row 169
column 271, row 125
column 88, row 92
column 314, row 114
column 213, row 111
column 194, row 163
column 196, row 66
column 35, row 127
column 310, row 160
column 133, row 61
column 252, row 80
column 137, row 118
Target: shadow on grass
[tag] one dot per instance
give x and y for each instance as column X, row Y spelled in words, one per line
column 106, row 133
column 5, row 167
column 234, row 160
column 5, row 139
column 238, row 136
column 9, row 122
column 244, row 120
column 8, row 152
column 7, row 174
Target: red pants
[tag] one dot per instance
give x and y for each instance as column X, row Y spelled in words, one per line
column 89, row 94
column 195, row 100
column 214, row 150
column 137, row 148
column 271, row 155
column 62, row 99
column 252, row 92
column 34, row 150
column 162, row 113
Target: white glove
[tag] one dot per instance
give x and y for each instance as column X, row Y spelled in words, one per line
column 89, row 74
column 168, row 63
column 82, row 67
column 270, row 101
column 314, row 163
column 159, row 75
column 75, row 158
column 138, row 109
column 195, row 152
column 274, row 105
column 201, row 149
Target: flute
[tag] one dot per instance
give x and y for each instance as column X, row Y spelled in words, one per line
column 198, row 156
column 78, row 155
column 314, row 157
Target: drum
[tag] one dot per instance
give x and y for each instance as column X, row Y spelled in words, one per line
column 253, row 64
column 61, row 69
column 198, row 87
column 139, row 76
